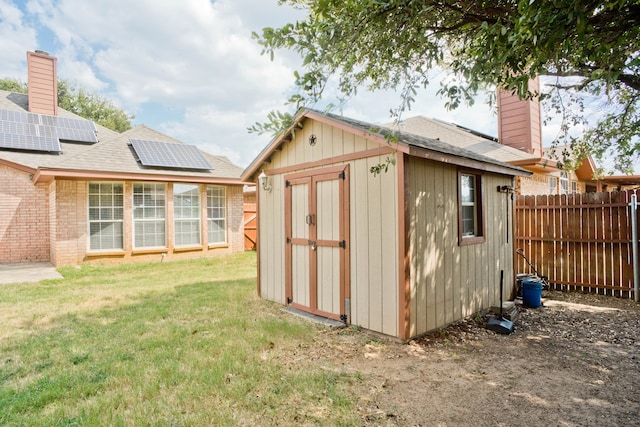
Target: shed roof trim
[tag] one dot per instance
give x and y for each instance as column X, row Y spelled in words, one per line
column 382, row 135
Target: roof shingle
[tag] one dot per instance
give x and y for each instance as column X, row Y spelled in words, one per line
column 112, row 153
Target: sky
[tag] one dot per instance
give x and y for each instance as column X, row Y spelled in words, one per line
column 188, row 68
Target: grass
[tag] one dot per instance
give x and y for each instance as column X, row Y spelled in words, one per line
column 177, row 343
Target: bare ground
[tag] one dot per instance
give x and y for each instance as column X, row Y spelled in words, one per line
column 575, row 361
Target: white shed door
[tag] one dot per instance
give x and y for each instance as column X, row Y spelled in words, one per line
column 317, row 222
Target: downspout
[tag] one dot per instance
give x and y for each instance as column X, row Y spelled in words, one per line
column 634, row 246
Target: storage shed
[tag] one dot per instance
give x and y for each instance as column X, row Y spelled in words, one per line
column 403, row 251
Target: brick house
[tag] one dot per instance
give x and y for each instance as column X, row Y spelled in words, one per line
column 519, row 143
column 105, row 196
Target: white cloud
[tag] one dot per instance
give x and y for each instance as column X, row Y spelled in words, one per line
column 17, row 36
column 221, row 132
column 191, row 58
column 188, row 68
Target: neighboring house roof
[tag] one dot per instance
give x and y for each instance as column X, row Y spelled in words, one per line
column 416, row 145
column 462, row 137
column 110, row 158
column 488, row 146
column 621, row 180
column 586, row 169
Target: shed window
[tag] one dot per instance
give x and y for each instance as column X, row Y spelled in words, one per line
column 216, row 214
column 106, row 213
column 470, row 218
column 149, row 215
column 186, row 214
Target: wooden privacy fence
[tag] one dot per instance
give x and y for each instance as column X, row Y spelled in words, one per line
column 579, row 241
column 250, row 231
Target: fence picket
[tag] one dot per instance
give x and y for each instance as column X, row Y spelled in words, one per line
column 580, row 242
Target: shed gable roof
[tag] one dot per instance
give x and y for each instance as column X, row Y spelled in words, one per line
column 414, row 145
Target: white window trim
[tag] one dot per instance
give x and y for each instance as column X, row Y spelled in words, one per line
column 209, row 219
column 564, row 182
column 479, row 227
column 136, row 220
column 90, row 221
column 553, row 189
column 176, row 220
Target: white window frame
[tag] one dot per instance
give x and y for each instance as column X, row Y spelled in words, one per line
column 564, row 182
column 213, row 214
column 142, row 205
column 109, row 210
column 187, row 213
column 553, row 185
column 477, row 216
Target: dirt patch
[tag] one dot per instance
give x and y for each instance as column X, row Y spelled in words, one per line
column 575, row 361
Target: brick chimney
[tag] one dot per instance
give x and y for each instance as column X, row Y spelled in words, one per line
column 519, row 124
column 43, row 83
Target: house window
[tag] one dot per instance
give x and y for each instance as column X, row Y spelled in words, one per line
column 553, row 185
column 216, row 214
column 564, row 183
column 470, row 222
column 186, row 214
column 149, row 213
column 106, row 213
column 574, row 187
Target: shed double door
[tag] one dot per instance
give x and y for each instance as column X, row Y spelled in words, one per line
column 317, row 230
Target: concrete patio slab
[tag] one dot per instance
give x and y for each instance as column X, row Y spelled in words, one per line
column 27, row 272
column 314, row 318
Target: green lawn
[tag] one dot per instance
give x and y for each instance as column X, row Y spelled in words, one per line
column 175, row 343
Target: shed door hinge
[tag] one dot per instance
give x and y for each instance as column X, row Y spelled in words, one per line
column 287, row 183
column 343, row 318
column 343, row 244
column 342, row 175
column 288, row 240
column 289, row 300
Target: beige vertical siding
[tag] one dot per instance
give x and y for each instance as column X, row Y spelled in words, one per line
column 373, row 241
column 374, row 247
column 448, row 281
column 271, row 238
column 328, row 228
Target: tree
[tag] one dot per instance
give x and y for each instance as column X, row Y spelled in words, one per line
column 590, row 48
column 79, row 101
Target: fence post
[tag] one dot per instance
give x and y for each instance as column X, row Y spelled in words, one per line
column 634, row 246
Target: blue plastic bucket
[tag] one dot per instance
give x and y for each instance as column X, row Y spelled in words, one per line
column 532, row 293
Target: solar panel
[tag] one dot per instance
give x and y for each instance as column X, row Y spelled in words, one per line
column 32, row 125
column 70, row 129
column 14, row 116
column 29, row 143
column 18, row 128
column 70, row 134
column 169, row 155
